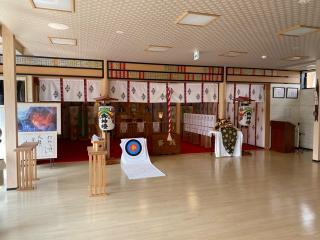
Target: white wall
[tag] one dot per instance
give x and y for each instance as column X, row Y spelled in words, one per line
column 295, row 111
column 306, row 117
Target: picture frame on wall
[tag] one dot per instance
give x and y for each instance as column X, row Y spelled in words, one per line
column 278, row 92
column 292, row 93
column 39, row 117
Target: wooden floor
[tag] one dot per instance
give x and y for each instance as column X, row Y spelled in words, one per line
column 263, row 196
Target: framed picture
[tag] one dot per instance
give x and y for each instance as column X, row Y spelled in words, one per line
column 39, row 117
column 278, row 92
column 292, row 93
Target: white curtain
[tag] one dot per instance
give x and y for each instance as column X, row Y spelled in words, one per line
column 194, row 92
column 242, row 90
column 118, row 90
column 210, row 92
column 257, row 92
column 230, row 92
column 158, row 92
column 177, row 90
column 138, row 92
column 73, row 90
column 49, row 89
column 94, row 89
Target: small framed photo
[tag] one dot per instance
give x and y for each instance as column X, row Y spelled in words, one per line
column 292, row 93
column 278, row 92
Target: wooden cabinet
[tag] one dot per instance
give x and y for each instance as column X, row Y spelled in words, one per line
column 160, row 145
column 282, row 136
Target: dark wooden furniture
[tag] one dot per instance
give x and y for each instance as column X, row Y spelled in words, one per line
column 160, row 145
column 282, row 136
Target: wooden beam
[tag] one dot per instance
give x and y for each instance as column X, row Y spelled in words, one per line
column 18, row 46
column 267, row 115
column 316, row 125
column 10, row 105
column 264, row 79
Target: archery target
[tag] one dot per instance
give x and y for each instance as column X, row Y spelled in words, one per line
column 133, row 147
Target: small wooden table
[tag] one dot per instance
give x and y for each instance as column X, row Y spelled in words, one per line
column 26, row 165
column 97, row 172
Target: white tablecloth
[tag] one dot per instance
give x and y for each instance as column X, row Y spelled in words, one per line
column 219, row 149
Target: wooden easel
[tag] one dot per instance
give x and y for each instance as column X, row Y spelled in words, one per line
column 26, row 165
column 97, row 172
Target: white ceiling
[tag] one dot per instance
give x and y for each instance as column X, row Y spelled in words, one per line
column 244, row 25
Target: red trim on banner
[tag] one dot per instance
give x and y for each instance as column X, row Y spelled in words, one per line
column 202, row 92
column 255, row 125
column 148, row 91
column 61, row 89
column 234, row 103
column 218, row 110
column 128, row 91
column 85, row 88
column 185, row 92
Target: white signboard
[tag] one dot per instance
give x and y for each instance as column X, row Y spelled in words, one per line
column 47, row 143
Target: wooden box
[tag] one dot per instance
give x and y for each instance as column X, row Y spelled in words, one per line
column 98, row 145
column 160, row 145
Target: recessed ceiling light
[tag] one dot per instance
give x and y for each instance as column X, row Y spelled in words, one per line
column 295, row 58
column 57, row 5
column 233, row 54
column 155, row 48
column 263, row 56
column 299, row 30
column 63, row 41
column 58, row 26
column 311, row 66
column 304, row 1
column 119, row 32
column 196, row 19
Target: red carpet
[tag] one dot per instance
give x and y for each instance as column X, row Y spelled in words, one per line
column 73, row 151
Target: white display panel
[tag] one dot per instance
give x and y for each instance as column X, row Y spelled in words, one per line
column 47, row 143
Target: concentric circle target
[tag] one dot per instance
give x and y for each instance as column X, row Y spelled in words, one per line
column 133, row 147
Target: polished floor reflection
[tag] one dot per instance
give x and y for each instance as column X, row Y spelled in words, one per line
column 264, row 196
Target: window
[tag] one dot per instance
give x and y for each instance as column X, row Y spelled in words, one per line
column 308, row 79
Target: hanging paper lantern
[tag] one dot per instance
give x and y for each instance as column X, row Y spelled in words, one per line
column 245, row 112
column 106, row 118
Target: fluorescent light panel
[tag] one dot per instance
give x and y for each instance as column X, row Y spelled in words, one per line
column 57, row 5
column 58, row 26
column 155, row 48
column 233, row 54
column 196, row 19
column 63, row 41
column 295, row 58
column 298, row 31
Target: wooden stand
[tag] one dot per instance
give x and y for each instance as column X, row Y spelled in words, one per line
column 282, row 136
column 97, row 172
column 26, row 165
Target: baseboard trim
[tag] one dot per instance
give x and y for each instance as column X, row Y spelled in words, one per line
column 11, row 189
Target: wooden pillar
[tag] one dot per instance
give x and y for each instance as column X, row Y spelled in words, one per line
column 267, row 115
column 178, row 118
column 29, row 87
column 10, row 105
column 316, row 125
column 222, row 97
